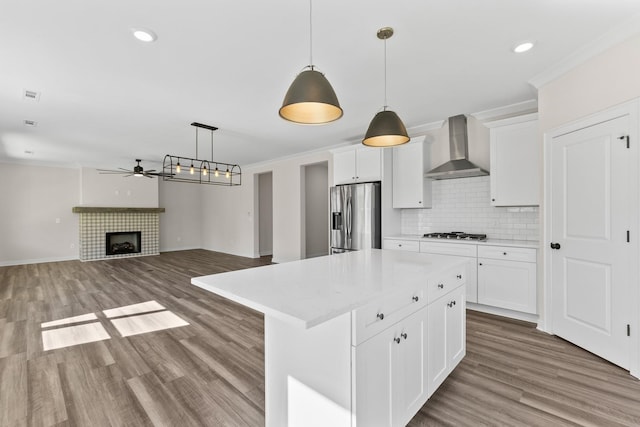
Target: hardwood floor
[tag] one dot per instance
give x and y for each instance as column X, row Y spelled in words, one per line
column 211, row 373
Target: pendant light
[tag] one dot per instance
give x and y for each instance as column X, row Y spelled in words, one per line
column 310, row 98
column 386, row 129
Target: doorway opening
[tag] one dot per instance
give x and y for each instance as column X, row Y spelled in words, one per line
column 315, row 223
column 265, row 214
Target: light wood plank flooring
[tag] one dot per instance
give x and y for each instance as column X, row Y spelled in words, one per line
column 210, row 373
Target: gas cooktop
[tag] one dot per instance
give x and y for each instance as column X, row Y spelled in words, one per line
column 456, row 235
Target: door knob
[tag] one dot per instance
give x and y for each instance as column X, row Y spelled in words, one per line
column 555, row 245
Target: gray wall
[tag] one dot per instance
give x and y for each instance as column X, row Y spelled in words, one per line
column 316, row 179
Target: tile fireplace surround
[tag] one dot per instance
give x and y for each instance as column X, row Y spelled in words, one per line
column 95, row 222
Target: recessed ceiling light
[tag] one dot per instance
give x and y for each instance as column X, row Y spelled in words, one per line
column 144, row 35
column 523, row 47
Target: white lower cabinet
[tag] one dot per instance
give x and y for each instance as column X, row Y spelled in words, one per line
column 446, row 335
column 507, row 278
column 390, row 374
column 396, row 371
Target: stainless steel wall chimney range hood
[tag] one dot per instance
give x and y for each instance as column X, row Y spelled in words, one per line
column 459, row 166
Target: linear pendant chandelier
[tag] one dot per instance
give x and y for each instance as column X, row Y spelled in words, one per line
column 196, row 171
column 386, row 129
column 310, row 98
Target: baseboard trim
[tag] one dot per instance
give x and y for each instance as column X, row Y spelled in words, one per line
column 37, row 261
column 533, row 318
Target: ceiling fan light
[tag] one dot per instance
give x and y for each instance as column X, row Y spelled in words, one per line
column 310, row 100
column 386, row 130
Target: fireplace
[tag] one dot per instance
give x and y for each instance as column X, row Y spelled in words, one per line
column 123, row 242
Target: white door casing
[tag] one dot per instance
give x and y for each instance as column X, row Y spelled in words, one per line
column 591, row 198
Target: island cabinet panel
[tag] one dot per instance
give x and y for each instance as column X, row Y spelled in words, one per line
column 398, row 368
column 308, row 373
column 446, row 336
column 377, row 316
column 390, row 374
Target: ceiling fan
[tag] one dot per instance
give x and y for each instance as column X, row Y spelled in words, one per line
column 137, row 171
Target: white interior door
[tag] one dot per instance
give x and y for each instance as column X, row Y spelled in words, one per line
column 591, row 192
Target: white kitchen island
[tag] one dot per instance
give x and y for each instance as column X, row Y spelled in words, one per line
column 356, row 339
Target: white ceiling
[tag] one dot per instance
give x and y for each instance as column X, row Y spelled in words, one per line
column 107, row 98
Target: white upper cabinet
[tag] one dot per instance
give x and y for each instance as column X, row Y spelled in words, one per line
column 515, row 161
column 410, row 188
column 357, row 164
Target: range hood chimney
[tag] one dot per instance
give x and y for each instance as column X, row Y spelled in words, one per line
column 459, row 166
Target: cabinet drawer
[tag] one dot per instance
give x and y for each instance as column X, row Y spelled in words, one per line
column 377, row 316
column 507, row 253
column 459, row 249
column 402, row 245
column 445, row 283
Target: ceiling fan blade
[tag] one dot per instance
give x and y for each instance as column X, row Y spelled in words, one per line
column 126, row 170
column 150, row 170
column 107, row 171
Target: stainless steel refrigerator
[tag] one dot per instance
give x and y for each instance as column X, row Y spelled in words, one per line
column 355, row 217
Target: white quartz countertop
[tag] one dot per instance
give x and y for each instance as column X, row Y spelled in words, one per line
column 489, row 242
column 312, row 291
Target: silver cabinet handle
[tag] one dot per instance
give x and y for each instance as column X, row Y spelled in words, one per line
column 415, row 298
column 380, row 316
column 459, row 276
column 440, row 286
column 397, row 340
column 404, row 335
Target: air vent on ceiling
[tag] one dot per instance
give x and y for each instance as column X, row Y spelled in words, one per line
column 31, row 95
column 31, row 123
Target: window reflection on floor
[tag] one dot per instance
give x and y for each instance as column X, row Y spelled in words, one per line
column 128, row 320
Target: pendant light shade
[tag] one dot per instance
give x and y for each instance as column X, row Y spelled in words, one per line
column 386, row 129
column 310, row 100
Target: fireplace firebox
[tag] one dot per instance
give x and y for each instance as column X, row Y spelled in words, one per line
column 123, row 242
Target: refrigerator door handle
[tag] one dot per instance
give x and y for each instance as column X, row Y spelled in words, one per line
column 348, row 218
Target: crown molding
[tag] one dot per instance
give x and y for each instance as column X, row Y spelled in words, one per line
column 617, row 35
column 512, row 120
column 507, row 110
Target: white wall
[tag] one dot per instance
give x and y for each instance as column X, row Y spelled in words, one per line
column 229, row 223
column 37, row 223
column 316, row 198
column 114, row 190
column 608, row 79
column 181, row 223
column 265, row 215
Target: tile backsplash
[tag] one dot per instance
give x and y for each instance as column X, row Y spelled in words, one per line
column 463, row 204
